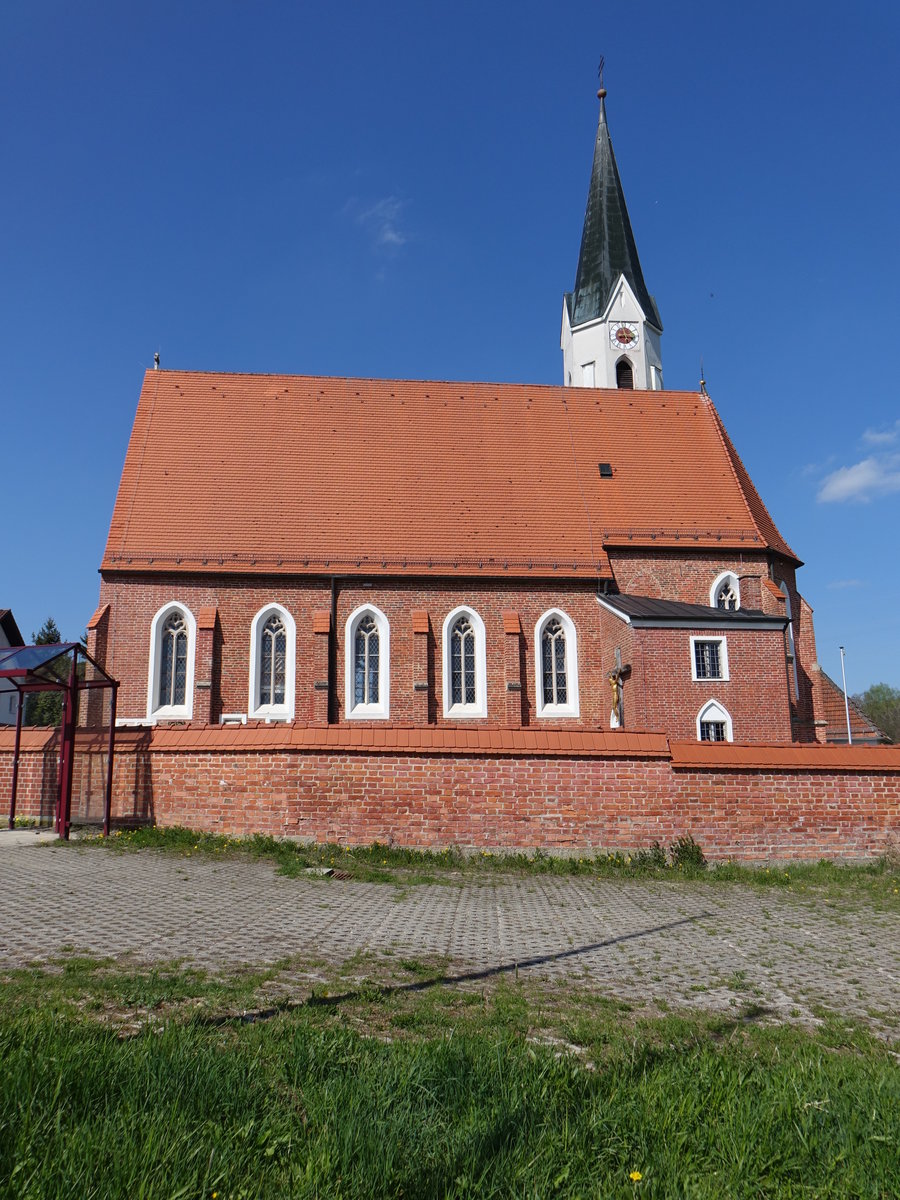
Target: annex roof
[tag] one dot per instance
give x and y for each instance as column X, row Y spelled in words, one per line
column 283, row 474
column 649, row 612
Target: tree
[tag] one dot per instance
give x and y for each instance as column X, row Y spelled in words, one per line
column 881, row 704
column 45, row 708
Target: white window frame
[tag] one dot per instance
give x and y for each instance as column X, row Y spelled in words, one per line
column 589, row 374
column 272, row 712
column 570, row 708
column 717, row 584
column 170, row 712
column 368, row 712
column 715, row 710
column 479, row 708
column 723, row 659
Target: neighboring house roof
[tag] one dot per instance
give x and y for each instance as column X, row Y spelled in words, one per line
column 652, row 613
column 608, row 248
column 863, row 730
column 10, row 628
column 296, row 474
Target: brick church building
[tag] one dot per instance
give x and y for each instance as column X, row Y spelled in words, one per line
column 398, row 554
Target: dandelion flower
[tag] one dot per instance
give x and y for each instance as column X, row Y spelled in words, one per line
column 635, row 1176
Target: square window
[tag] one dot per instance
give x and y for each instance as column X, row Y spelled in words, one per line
column 709, row 658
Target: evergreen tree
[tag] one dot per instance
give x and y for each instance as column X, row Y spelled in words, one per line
column 45, row 708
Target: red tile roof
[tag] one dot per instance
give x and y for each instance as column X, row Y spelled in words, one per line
column 410, row 740
column 833, row 711
column 288, row 474
column 785, row 757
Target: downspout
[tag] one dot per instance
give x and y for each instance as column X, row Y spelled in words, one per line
column 332, row 656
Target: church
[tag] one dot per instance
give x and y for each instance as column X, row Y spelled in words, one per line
column 395, row 554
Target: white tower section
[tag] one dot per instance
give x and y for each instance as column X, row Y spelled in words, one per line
column 598, row 353
column 611, row 328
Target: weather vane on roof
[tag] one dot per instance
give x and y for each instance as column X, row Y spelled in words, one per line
column 602, row 92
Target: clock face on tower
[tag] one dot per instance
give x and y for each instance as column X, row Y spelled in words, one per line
column 623, row 335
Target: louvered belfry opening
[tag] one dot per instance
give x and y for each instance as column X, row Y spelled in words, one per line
column 624, row 374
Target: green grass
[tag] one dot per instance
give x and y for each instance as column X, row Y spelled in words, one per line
column 877, row 881
column 119, row 1083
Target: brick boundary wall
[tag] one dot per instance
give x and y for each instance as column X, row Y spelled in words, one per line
column 554, row 790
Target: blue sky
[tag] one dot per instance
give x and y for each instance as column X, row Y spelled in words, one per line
column 398, row 190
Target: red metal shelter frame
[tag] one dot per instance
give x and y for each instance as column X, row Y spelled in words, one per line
column 55, row 668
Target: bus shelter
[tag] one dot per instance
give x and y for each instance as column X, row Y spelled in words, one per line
column 68, row 668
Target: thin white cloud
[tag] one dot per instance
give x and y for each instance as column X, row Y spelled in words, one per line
column 838, row 585
column 382, row 221
column 882, row 437
column 877, row 475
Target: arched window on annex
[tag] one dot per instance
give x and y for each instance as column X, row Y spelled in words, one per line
column 367, row 673
column 464, row 671
column 714, row 723
column 790, row 636
column 725, row 592
column 556, row 665
column 273, row 664
column 625, row 374
column 170, row 682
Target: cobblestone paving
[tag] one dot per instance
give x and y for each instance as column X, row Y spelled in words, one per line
column 688, row 944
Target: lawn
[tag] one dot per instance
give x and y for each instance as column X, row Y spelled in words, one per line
column 123, row 1082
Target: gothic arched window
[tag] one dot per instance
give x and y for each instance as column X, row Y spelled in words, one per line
column 272, row 661
column 170, row 689
column 624, row 374
column 713, row 723
column 725, row 593
column 367, row 666
column 556, row 665
column 173, row 653
column 273, row 658
column 465, row 682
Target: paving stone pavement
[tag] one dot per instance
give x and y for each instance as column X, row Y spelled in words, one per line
column 689, row 944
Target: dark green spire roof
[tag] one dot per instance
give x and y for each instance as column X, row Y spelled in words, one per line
column 607, row 243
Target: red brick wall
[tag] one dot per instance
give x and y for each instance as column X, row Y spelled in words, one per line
column 755, row 694
column 659, row 695
column 795, row 803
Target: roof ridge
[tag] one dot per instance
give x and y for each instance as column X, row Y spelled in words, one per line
column 745, row 484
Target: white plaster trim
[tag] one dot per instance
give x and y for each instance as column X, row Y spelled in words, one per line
column 381, row 710
column 713, row 710
column 616, row 612
column 615, row 296
column 571, row 708
column 479, row 708
column 272, row 712
column 171, row 712
column 717, row 583
column 723, row 659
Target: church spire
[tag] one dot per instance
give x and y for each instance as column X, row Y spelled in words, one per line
column 608, row 249
column 611, row 324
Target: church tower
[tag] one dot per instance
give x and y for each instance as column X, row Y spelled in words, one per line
column 610, row 323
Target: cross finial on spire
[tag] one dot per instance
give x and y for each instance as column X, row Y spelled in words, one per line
column 602, row 92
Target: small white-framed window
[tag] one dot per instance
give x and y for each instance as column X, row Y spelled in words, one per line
column 273, row 664
column 709, row 658
column 725, row 592
column 464, row 672
column 556, row 665
column 624, row 374
column 714, row 723
column 170, row 680
column 587, row 374
column 790, row 637
column 367, row 658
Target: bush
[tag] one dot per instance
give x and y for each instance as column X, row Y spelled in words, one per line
column 685, row 852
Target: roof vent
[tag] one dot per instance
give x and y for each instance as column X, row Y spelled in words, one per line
column 605, row 470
